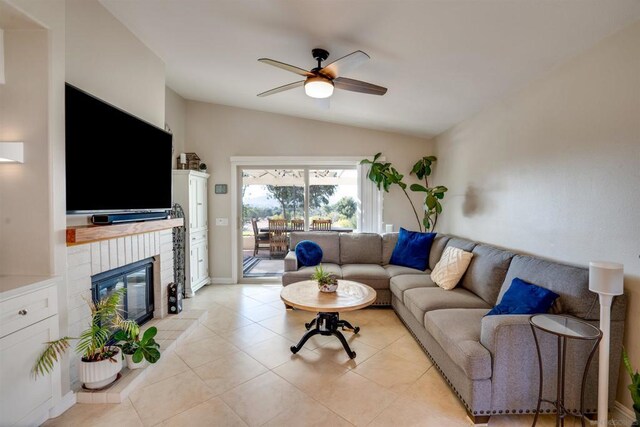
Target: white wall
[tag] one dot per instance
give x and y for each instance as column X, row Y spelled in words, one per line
column 555, row 169
column 24, row 188
column 105, row 59
column 176, row 117
column 217, row 132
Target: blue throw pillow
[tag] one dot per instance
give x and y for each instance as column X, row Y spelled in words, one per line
column 524, row 298
column 308, row 253
column 412, row 249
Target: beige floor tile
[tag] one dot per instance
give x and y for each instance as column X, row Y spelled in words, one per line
column 228, row 372
column 175, row 324
column 308, row 414
column 527, row 421
column 196, row 353
column 379, row 336
column 334, row 351
column 407, row 348
column 406, row 412
column 261, row 312
column 263, row 398
column 433, row 394
column 213, row 412
column 391, row 371
column 249, row 335
column 240, row 303
column 168, row 365
column 104, row 415
column 275, row 351
column 290, row 325
column 164, row 399
column 199, row 333
column 355, row 398
column 309, row 373
column 225, row 320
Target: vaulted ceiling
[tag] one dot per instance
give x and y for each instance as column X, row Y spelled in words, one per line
column 443, row 61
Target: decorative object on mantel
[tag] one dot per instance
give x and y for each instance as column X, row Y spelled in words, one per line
column 182, row 161
column 193, row 161
column 100, row 363
column 203, row 167
column 384, row 175
column 178, row 251
column 607, row 280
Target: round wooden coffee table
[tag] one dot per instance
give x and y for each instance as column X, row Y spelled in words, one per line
column 350, row 296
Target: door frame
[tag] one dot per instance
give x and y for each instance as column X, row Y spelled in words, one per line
column 268, row 162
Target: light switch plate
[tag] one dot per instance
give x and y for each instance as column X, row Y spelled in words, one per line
column 222, row 221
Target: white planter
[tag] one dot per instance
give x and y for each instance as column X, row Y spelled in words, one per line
column 328, row 288
column 133, row 365
column 95, row 375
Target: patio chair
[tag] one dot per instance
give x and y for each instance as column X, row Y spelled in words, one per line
column 297, row 225
column 321, row 225
column 260, row 238
column 278, row 238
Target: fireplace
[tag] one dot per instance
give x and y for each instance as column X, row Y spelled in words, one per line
column 137, row 278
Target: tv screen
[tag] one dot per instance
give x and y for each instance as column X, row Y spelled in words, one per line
column 115, row 161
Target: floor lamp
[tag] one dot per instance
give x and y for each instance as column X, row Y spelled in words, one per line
column 606, row 279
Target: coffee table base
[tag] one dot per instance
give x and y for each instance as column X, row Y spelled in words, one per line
column 327, row 324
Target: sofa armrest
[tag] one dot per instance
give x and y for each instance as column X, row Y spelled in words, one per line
column 291, row 262
column 500, row 329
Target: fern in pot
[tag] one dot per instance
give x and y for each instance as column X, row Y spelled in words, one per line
column 100, row 362
column 138, row 351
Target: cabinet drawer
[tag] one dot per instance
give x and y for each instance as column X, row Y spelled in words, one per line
column 197, row 236
column 24, row 310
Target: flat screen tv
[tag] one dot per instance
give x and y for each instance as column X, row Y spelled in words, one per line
column 115, row 162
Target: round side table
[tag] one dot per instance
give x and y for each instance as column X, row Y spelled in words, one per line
column 564, row 328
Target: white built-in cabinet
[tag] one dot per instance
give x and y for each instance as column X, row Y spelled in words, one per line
column 190, row 191
column 28, row 319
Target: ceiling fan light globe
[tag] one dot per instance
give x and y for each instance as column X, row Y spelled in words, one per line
column 318, row 87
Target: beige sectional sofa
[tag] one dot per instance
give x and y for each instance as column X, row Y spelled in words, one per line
column 489, row 362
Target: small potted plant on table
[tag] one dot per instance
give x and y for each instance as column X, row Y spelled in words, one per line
column 634, row 387
column 138, row 352
column 100, row 362
column 327, row 282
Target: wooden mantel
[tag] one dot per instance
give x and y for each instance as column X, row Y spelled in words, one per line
column 93, row 233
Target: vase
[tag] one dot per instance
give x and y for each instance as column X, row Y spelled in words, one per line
column 96, row 375
column 328, row 287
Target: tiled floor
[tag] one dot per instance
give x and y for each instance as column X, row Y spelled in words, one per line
column 237, row 370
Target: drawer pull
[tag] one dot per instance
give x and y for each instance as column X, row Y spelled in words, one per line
column 200, row 260
column 22, row 312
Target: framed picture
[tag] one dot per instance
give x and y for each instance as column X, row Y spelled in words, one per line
column 220, row 188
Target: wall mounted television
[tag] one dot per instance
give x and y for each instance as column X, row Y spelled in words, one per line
column 115, row 162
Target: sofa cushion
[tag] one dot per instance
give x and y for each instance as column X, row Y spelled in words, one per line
column 451, row 267
column 437, row 248
column 424, row 299
column 399, row 284
column 412, row 249
column 486, row 272
column 389, row 241
column 369, row 274
column 360, row 248
column 524, row 298
column 329, row 242
column 304, row 273
column 571, row 283
column 397, row 270
column 308, row 253
column 458, row 333
column 464, row 244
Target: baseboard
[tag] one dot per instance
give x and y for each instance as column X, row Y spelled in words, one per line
column 222, row 281
column 67, row 401
column 622, row 413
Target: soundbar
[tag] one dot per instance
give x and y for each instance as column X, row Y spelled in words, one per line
column 116, row 218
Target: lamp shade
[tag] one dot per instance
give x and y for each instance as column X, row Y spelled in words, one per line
column 318, row 87
column 606, row 278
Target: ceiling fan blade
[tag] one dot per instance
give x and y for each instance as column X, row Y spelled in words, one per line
column 359, row 86
column 288, row 67
column 282, row 88
column 345, row 64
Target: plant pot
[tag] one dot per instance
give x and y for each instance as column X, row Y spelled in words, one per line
column 637, row 421
column 133, row 365
column 96, row 375
column 328, row 287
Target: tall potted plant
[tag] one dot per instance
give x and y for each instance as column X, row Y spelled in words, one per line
column 634, row 387
column 100, row 362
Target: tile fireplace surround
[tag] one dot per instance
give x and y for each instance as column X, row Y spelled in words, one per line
column 86, row 260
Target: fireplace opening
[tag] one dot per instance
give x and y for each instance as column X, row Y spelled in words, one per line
column 137, row 278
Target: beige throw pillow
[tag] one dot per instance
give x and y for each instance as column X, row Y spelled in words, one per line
column 452, row 265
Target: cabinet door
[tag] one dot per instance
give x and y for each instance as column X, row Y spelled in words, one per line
column 203, row 261
column 20, row 393
column 201, row 203
column 193, row 187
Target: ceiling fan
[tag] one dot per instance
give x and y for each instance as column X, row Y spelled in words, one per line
column 321, row 81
